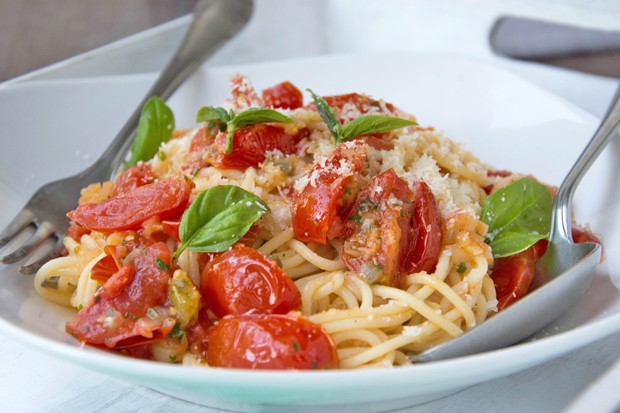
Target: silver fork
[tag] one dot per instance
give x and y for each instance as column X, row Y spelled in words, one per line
column 214, row 22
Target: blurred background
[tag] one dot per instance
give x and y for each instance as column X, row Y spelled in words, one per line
column 568, row 33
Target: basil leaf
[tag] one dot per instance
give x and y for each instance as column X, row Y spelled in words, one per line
column 518, row 216
column 214, row 117
column 329, row 117
column 154, row 127
column 250, row 117
column 368, row 124
column 218, row 218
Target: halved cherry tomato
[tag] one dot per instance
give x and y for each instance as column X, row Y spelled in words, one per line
column 270, row 341
column 251, row 144
column 283, row 95
column 136, row 176
column 319, row 208
column 166, row 198
column 244, row 281
column 378, row 233
column 104, row 269
column 122, row 311
column 424, row 253
column 513, row 275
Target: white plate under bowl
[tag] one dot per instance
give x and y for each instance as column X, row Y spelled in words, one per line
column 55, row 128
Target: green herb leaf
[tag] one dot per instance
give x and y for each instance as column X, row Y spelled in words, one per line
column 518, row 216
column 214, row 117
column 369, row 124
column 229, row 121
column 364, row 125
column 218, row 218
column 155, row 126
column 250, row 117
column 328, row 116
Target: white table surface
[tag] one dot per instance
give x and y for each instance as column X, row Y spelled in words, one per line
column 34, row 382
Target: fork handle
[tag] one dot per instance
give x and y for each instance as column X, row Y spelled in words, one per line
column 561, row 227
column 214, row 22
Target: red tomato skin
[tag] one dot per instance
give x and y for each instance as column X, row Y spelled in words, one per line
column 250, row 145
column 317, row 206
column 380, row 247
column 270, row 341
column 127, row 295
column 166, row 198
column 245, row 281
column 426, row 222
column 283, row 96
column 136, row 176
column 513, row 275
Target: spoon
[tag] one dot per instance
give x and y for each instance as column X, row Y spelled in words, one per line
column 563, row 273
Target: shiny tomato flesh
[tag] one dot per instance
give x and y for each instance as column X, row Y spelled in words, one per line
column 513, row 275
column 378, row 230
column 121, row 313
column 328, row 194
column 244, row 281
column 166, row 199
column 270, row 341
column 136, row 176
column 284, row 96
column 424, row 253
column 252, row 143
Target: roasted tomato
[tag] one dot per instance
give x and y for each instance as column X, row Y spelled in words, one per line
column 283, row 95
column 378, row 232
column 270, row 341
column 136, row 176
column 166, row 198
column 513, row 275
column 392, row 230
column 252, row 143
column 320, row 206
column 424, row 253
column 124, row 311
column 243, row 281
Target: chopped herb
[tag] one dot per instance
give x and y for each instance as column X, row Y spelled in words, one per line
column 356, row 218
column 461, row 268
column 278, row 261
column 86, row 329
column 177, row 332
column 110, row 312
column 159, row 263
column 79, row 307
column 161, row 155
column 152, row 313
column 173, row 358
column 295, row 347
column 315, row 365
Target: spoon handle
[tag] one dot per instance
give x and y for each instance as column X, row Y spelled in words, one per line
column 562, row 219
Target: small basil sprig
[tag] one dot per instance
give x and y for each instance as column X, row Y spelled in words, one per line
column 155, row 126
column 218, row 218
column 364, row 125
column 231, row 121
column 518, row 216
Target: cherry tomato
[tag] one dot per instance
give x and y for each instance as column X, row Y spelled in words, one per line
column 243, row 280
column 166, row 199
column 424, row 253
column 104, row 269
column 283, row 95
column 328, row 195
column 270, row 341
column 171, row 229
column 582, row 235
column 76, row 231
column 122, row 312
column 378, row 232
column 513, row 275
column 136, row 176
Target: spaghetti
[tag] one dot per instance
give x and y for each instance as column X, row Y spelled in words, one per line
column 360, row 280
